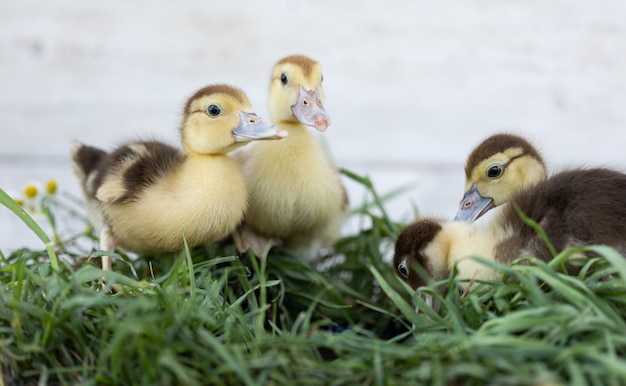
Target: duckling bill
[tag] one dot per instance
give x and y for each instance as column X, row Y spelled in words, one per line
column 148, row 196
column 575, row 208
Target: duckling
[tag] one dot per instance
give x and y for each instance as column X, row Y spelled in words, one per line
column 145, row 196
column 296, row 195
column 499, row 167
column 575, row 208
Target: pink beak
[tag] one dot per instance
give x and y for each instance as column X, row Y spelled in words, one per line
column 310, row 111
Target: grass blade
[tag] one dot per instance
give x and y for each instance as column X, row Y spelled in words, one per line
column 13, row 206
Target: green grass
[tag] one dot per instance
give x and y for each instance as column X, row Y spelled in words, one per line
column 205, row 316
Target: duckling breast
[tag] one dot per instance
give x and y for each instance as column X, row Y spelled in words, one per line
column 293, row 186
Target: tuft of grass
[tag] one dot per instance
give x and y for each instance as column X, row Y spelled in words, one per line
column 208, row 316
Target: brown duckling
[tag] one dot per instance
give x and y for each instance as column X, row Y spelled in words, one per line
column 575, row 208
column 499, row 167
column 146, row 195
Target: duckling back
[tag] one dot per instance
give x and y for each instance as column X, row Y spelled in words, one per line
column 575, row 208
column 202, row 199
column 149, row 194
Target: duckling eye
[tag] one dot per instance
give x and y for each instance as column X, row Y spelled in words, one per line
column 404, row 271
column 214, row 110
column 495, row 171
column 283, row 78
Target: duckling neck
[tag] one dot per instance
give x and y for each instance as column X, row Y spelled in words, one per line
column 205, row 162
column 223, row 151
column 300, row 144
column 217, row 176
column 295, row 129
column 465, row 240
column 468, row 239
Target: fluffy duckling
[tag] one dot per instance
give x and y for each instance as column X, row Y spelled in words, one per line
column 145, row 196
column 575, row 208
column 296, row 195
column 500, row 166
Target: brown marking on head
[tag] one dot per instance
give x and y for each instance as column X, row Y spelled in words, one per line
column 497, row 144
column 234, row 92
column 411, row 241
column 305, row 63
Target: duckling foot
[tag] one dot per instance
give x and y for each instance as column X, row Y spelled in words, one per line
column 246, row 238
column 107, row 243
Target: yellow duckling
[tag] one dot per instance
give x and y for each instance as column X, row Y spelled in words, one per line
column 296, row 195
column 575, row 208
column 145, row 196
column 499, row 167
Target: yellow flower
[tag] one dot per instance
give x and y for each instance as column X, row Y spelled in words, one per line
column 51, row 187
column 30, row 191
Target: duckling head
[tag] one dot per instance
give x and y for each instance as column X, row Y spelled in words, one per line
column 296, row 93
column 420, row 254
column 498, row 168
column 219, row 118
column 429, row 249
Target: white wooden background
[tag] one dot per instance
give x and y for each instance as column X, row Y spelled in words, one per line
column 412, row 86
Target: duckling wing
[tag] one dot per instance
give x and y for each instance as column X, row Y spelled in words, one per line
column 574, row 208
column 125, row 173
